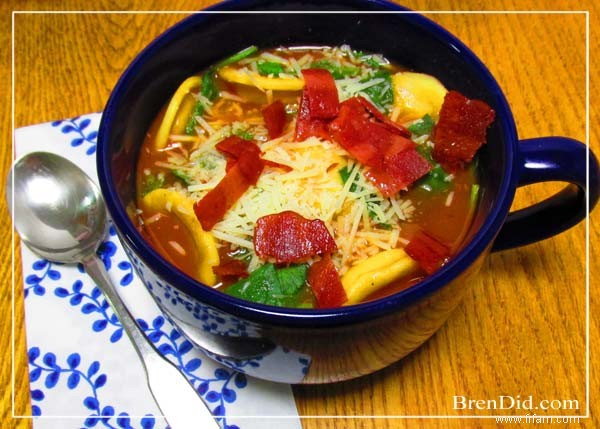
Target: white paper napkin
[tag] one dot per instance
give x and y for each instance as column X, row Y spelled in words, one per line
column 83, row 371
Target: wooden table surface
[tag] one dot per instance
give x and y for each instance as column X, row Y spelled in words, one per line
column 521, row 330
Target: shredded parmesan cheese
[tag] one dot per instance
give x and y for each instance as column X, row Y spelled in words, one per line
column 275, row 58
column 200, row 120
column 229, row 96
column 178, row 247
column 314, row 189
column 154, row 218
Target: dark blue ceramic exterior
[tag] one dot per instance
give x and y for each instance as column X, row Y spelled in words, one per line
column 314, row 346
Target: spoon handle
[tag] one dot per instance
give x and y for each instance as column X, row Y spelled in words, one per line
column 177, row 399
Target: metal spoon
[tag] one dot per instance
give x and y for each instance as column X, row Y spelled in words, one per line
column 60, row 214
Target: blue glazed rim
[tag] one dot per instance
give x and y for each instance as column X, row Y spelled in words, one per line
column 317, row 318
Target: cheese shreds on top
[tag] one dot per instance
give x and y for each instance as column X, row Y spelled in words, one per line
column 361, row 221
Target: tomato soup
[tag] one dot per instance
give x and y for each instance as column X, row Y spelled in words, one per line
column 310, row 177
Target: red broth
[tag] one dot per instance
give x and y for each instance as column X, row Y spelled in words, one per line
column 442, row 208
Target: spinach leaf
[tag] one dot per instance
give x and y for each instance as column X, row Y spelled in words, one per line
column 374, row 61
column 238, row 56
column 266, row 68
column 282, row 287
column 354, row 187
column 292, row 278
column 209, row 84
column 437, row 179
column 209, row 87
column 198, row 110
column 338, row 72
column 244, row 134
column 345, row 175
column 381, row 94
column 474, row 195
column 182, row 176
column 206, row 161
column 152, row 182
column 422, row 126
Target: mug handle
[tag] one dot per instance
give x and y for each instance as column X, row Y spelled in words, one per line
column 547, row 159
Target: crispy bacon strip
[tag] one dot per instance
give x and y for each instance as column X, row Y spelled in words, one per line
column 321, row 93
column 353, row 130
column 288, row 237
column 274, row 116
column 242, row 173
column 393, row 159
column 319, row 103
column 370, row 107
column 274, row 164
column 325, row 282
column 308, row 127
column 430, row 253
column 231, row 268
column 460, row 131
column 234, row 146
column 402, row 165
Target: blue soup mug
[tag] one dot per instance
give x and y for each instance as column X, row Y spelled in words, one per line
column 319, row 346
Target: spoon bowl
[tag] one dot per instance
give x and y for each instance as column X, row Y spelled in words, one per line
column 57, row 209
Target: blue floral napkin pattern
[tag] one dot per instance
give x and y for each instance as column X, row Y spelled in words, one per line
column 84, row 372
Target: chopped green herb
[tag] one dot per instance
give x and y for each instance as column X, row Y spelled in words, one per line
column 371, row 60
column 337, row 71
column 326, row 65
column 422, row 126
column 345, row 175
column 437, row 179
column 182, row 176
column 373, row 215
column 381, row 94
column 372, row 206
column 209, row 84
column 153, row 182
column 209, row 87
column 198, row 110
column 190, row 126
column 242, row 130
column 474, row 194
column 348, row 71
column 239, row 56
column 245, row 134
column 206, row 161
column 267, row 68
column 281, row 287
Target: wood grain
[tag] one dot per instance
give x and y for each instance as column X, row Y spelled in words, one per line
column 521, row 329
